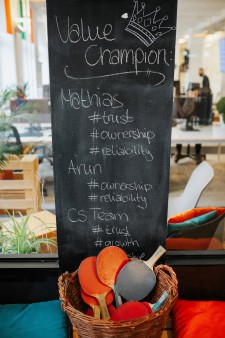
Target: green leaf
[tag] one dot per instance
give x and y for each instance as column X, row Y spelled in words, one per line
column 17, row 237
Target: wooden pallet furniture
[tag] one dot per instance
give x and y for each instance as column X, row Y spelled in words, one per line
column 23, row 191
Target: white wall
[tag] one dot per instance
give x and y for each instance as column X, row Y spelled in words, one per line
column 2, row 17
column 204, row 52
column 41, row 43
column 7, row 53
column 211, row 63
column 7, row 61
column 17, row 55
column 29, row 67
column 196, row 46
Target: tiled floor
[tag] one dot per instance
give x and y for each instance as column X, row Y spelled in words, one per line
column 214, row 193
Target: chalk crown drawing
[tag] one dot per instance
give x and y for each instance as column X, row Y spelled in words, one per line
column 148, row 27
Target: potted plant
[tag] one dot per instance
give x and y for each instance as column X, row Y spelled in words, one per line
column 7, row 147
column 19, row 97
column 17, row 237
column 221, row 110
column 5, row 96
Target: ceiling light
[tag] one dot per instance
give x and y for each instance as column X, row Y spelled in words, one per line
column 182, row 40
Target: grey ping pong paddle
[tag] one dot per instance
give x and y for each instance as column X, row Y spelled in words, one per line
column 137, row 279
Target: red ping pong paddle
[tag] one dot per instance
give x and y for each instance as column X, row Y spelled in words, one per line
column 93, row 302
column 130, row 310
column 91, row 284
column 110, row 261
column 137, row 279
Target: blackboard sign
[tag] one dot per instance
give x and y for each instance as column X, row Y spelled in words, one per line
column 111, row 80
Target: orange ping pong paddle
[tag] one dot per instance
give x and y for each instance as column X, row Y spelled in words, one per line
column 110, row 261
column 93, row 302
column 91, row 284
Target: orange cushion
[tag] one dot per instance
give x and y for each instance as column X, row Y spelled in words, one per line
column 195, row 212
column 191, row 223
column 199, row 319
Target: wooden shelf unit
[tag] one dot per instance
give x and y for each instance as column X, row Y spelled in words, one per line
column 23, row 191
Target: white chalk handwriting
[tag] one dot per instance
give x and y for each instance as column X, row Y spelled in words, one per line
column 82, row 98
column 136, row 134
column 156, row 77
column 127, row 242
column 100, row 215
column 76, row 32
column 111, row 118
column 84, row 169
column 138, row 199
column 132, row 186
column 110, row 230
column 117, row 150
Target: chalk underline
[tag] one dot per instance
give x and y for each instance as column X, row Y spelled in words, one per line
column 147, row 72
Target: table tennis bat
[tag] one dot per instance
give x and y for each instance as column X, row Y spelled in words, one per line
column 156, row 306
column 111, row 309
column 93, row 302
column 91, row 284
column 130, row 310
column 137, row 279
column 110, row 261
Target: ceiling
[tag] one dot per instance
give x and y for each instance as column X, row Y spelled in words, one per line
column 200, row 16
column 193, row 16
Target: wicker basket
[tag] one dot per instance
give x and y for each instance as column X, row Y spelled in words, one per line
column 148, row 326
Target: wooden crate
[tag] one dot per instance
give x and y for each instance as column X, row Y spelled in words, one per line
column 23, row 191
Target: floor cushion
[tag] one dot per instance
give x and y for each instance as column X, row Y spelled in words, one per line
column 191, row 222
column 199, row 319
column 195, row 212
column 36, row 320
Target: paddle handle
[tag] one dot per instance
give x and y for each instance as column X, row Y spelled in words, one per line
column 159, row 252
column 103, row 307
column 96, row 311
column 160, row 301
column 118, row 298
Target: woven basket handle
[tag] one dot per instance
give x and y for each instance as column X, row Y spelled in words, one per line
column 172, row 276
column 62, row 286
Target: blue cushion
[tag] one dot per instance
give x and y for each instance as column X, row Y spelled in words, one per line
column 190, row 223
column 37, row 320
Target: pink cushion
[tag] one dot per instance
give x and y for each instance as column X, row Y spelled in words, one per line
column 199, row 319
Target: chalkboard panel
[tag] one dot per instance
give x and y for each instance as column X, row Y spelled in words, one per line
column 111, row 79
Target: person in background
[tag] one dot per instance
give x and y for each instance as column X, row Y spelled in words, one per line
column 185, row 110
column 188, row 106
column 205, row 92
column 205, row 81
